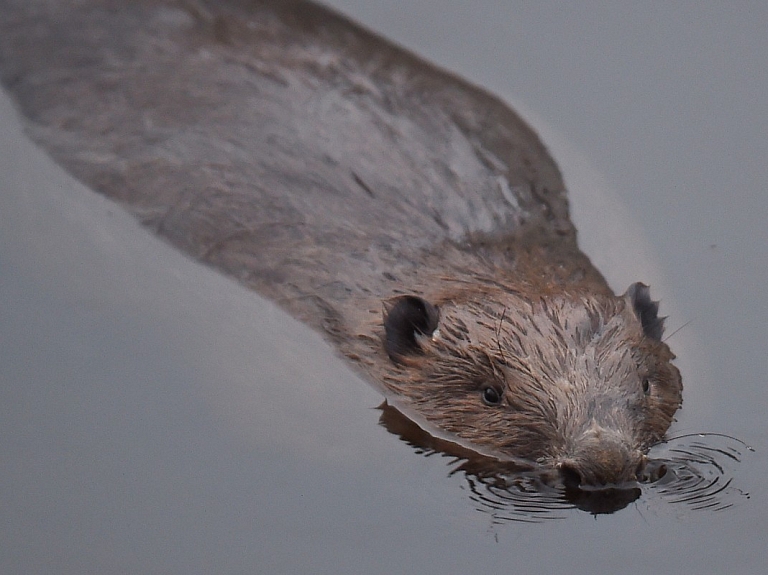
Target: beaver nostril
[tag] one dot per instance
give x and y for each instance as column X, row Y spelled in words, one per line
column 654, row 471
column 640, row 470
column 570, row 475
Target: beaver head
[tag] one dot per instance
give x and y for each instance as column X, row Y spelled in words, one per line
column 577, row 382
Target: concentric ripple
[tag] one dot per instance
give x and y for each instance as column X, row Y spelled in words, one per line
column 698, row 477
column 521, row 498
column 700, row 471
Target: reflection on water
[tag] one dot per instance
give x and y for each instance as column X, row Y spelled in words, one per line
column 690, row 473
column 522, row 498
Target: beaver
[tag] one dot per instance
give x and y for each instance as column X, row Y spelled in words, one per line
column 411, row 217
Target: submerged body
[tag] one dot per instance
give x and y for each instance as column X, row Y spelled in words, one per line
column 338, row 175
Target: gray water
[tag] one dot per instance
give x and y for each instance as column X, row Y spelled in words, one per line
column 157, row 418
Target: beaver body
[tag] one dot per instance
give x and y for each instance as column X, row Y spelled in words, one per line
column 340, row 175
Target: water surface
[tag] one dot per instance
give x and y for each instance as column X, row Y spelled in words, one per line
column 157, row 417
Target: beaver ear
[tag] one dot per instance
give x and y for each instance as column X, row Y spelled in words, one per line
column 646, row 310
column 404, row 318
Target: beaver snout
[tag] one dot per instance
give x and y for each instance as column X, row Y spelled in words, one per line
column 599, row 462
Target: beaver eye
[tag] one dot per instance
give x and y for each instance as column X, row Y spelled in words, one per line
column 646, row 386
column 491, row 396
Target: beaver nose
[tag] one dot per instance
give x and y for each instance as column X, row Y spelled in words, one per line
column 601, row 463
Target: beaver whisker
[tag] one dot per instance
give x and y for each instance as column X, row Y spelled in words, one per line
column 677, row 330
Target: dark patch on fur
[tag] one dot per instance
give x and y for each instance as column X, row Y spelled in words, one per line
column 647, row 310
column 405, row 318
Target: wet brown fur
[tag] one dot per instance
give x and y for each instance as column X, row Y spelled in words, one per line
column 329, row 170
column 567, row 364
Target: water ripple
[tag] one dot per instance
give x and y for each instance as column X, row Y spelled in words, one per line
column 697, row 476
column 700, row 471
